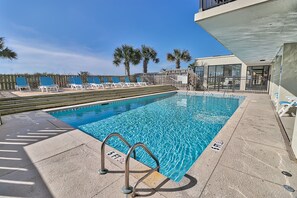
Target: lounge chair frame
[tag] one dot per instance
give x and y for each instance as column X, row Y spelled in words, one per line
column 286, row 105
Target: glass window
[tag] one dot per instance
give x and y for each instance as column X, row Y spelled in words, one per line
column 220, row 70
column 211, row 71
column 199, row 71
column 236, row 70
column 227, row 70
column 224, row 76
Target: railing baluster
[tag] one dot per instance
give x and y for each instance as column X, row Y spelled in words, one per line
column 208, row 4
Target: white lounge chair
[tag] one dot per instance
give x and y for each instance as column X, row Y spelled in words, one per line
column 21, row 83
column 140, row 82
column 116, row 82
column 106, row 82
column 75, row 82
column 286, row 105
column 94, row 82
column 128, row 83
column 47, row 84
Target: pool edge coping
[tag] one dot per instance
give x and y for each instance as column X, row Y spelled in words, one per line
column 207, row 162
column 103, row 101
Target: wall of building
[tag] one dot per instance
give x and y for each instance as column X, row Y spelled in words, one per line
column 284, row 73
column 275, row 76
column 222, row 60
column 288, row 82
column 284, row 83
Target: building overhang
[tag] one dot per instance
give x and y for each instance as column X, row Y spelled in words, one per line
column 253, row 30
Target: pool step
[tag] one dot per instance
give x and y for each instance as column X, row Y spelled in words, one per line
column 30, row 103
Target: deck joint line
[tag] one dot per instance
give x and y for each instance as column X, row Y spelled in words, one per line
column 245, row 108
column 251, row 175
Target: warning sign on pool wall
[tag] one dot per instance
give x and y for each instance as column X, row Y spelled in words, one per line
column 115, row 156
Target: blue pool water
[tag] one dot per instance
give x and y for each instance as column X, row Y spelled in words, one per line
column 176, row 127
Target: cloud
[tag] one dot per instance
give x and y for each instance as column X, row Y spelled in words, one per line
column 23, row 29
column 42, row 57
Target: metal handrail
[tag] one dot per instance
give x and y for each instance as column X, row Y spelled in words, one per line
column 103, row 170
column 127, row 189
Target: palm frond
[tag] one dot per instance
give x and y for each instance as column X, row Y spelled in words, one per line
column 5, row 52
column 177, row 53
column 118, row 56
column 170, row 57
column 185, row 56
column 136, row 57
column 156, row 60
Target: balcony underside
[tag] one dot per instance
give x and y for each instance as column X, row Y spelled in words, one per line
column 254, row 32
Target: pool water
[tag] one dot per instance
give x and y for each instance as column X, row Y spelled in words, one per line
column 176, row 127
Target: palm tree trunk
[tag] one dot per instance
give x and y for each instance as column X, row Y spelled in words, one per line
column 177, row 64
column 127, row 68
column 145, row 64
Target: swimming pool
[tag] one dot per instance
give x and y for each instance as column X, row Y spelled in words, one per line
column 176, row 127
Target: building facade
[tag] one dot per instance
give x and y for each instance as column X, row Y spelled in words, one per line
column 229, row 72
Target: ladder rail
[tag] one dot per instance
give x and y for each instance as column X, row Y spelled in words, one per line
column 103, row 170
column 127, row 189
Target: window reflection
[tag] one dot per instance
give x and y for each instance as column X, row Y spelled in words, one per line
column 200, row 71
column 225, row 76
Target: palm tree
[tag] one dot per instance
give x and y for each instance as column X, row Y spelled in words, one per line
column 192, row 65
column 5, row 52
column 126, row 54
column 178, row 56
column 148, row 54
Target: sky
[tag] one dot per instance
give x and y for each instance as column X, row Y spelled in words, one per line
column 69, row 36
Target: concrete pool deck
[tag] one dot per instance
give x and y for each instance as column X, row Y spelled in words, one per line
column 41, row 156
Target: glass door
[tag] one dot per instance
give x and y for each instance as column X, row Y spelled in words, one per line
column 257, row 78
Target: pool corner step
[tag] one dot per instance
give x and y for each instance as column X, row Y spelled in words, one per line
column 152, row 180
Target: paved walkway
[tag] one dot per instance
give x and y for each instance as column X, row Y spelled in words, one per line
column 43, row 157
column 7, row 94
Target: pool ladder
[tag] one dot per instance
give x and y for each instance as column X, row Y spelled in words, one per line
column 127, row 189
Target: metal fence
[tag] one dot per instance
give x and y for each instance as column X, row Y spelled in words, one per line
column 208, row 4
column 234, row 83
column 224, row 83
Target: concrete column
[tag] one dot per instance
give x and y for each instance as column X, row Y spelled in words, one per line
column 275, row 77
column 243, row 77
column 271, row 87
column 205, row 75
